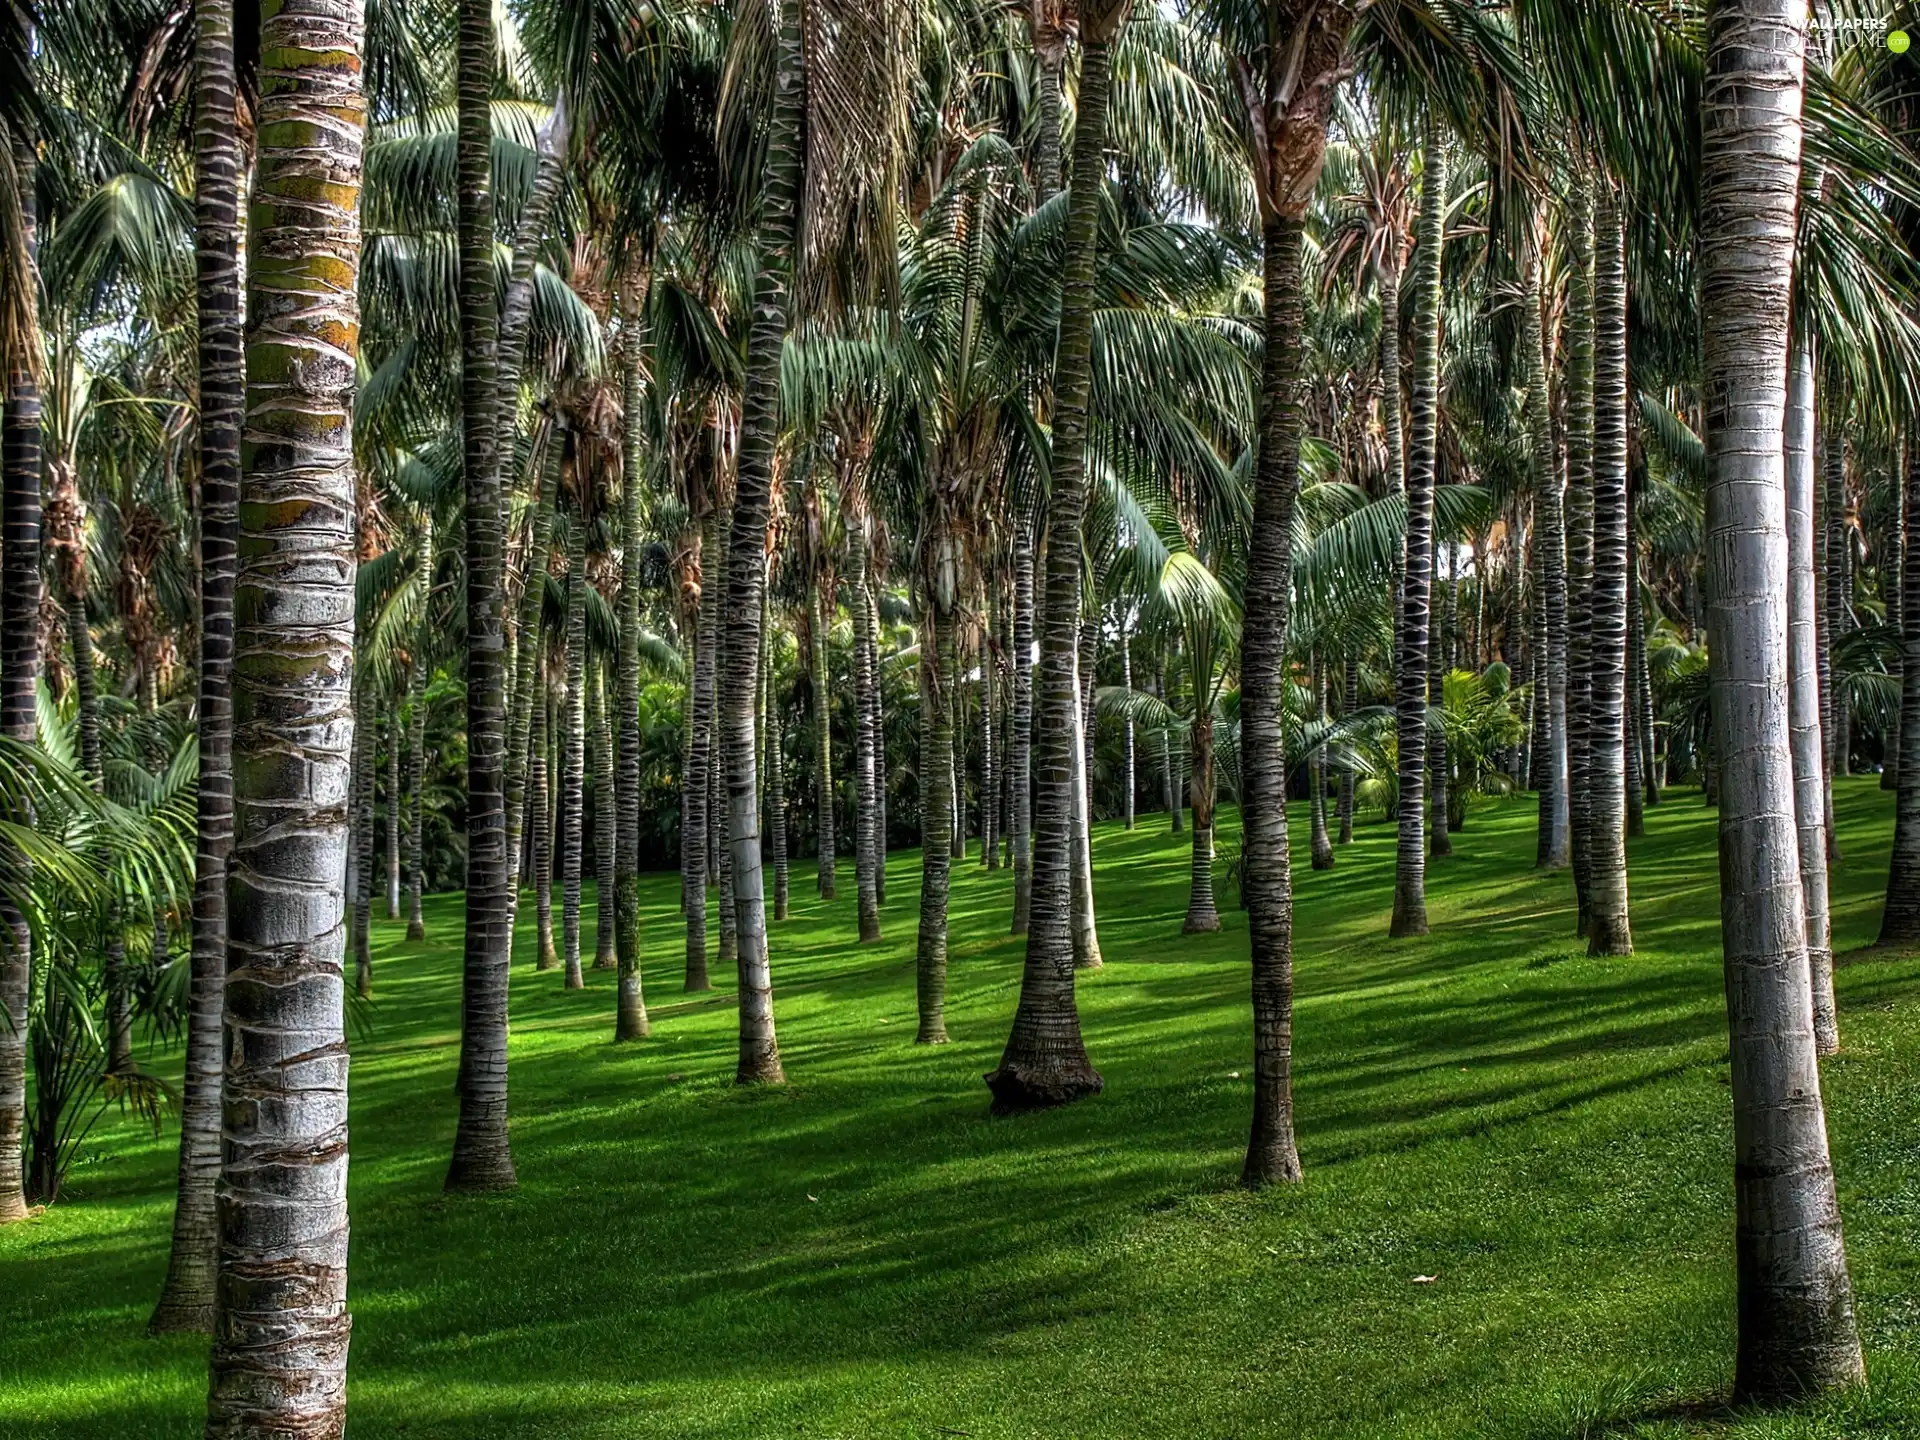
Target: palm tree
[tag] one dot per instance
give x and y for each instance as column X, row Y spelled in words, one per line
column 19, row 662
column 187, row 1296
column 630, row 1021
column 1045, row 1061
column 280, row 1331
column 1410, row 886
column 574, row 729
column 1608, row 928
column 1796, row 1331
column 417, row 674
column 1900, row 921
column 482, row 1156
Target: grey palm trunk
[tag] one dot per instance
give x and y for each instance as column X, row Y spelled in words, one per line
column 1900, row 921
column 187, row 1295
column 366, row 741
column 1580, row 424
column 820, row 679
column 759, row 1058
column 630, row 1006
column 1803, row 687
column 1796, row 1333
column 279, row 1355
column 417, row 749
column 1045, row 1062
column 1410, row 697
column 939, row 671
column 1020, row 736
column 696, row 785
column 869, row 849
column 573, row 773
column 600, row 766
column 1202, row 913
column 1553, row 850
column 1609, row 931
column 392, row 817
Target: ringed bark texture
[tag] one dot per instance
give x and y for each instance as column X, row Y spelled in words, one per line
column 1795, row 1303
column 186, row 1298
column 1900, row 922
column 482, row 1159
column 1045, row 1061
column 1410, row 693
column 280, row 1335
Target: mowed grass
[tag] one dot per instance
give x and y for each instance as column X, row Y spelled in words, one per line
column 1516, row 1222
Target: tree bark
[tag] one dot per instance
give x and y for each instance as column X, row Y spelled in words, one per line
column 279, row 1354
column 630, row 1013
column 696, row 781
column 417, row 752
column 1020, row 738
column 939, row 670
column 186, row 1297
column 819, row 616
column 1609, row 931
column 573, row 772
column 600, row 758
column 540, row 797
column 1550, row 760
column 1900, row 921
column 482, row 1156
column 747, row 561
column 1350, row 702
column 1795, row 1307
column 366, row 727
column 1580, row 329
column 1045, row 1061
column 1202, row 913
column 1410, row 701
column 868, row 854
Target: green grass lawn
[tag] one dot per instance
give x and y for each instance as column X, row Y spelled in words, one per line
column 865, row 1253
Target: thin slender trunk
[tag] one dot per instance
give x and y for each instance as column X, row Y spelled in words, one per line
column 630, row 1004
column 573, row 773
column 1579, row 519
column 19, row 674
column 696, row 781
column 867, row 847
column 1349, row 703
column 600, row 748
column 939, row 671
column 1322, row 846
column 540, row 798
column 989, row 791
column 820, row 614
column 1439, row 836
column 1900, row 921
column 1202, row 914
column 529, row 674
column 1126, row 683
column 1020, row 735
column 1086, row 933
column 1045, row 1061
column 1635, row 700
column 187, row 1296
column 1550, row 760
column 1795, row 1307
column 720, row 854
column 482, row 1156
column 1410, row 701
column 1837, row 576
column 759, row 430
column 366, row 728
column 417, row 758
column 393, row 825
column 1609, row 931
column 279, row 1358
column 879, row 746
column 777, row 806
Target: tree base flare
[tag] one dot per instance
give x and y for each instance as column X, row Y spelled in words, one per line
column 1609, row 936
column 1409, row 920
column 1201, row 924
column 1275, row 1163
column 1019, row 1088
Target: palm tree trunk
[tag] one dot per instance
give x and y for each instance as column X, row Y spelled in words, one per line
column 630, row 1017
column 1550, row 760
column 417, row 771
column 540, row 798
column 1580, row 329
column 482, row 1157
column 366, row 729
column 866, row 847
column 600, row 753
column 1349, row 703
column 1126, row 683
column 1020, row 736
column 879, row 722
column 1796, row 1330
column 1837, row 579
column 280, row 1331
column 187, row 1296
column 759, row 430
column 1439, row 836
column 1410, row 876
column 956, row 772
column 1322, row 846
column 777, row 807
column 939, row 670
column 989, row 792
column 696, row 780
column 1651, row 761
column 1900, row 921
column 529, row 671
column 820, row 613
column 1609, row 931
column 573, row 773
column 1202, row 914
column 1086, row 934
column 1045, row 1061
column 1169, row 762
column 1635, row 700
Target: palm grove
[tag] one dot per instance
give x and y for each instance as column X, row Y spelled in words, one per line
column 503, row 450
